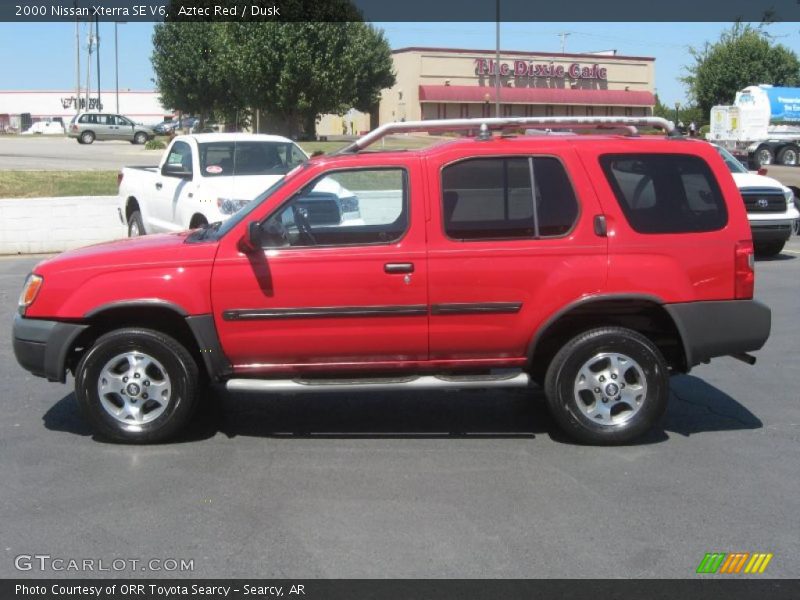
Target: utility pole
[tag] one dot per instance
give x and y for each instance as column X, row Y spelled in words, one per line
column 90, row 47
column 77, row 61
column 97, row 36
column 563, row 35
column 116, row 63
column 497, row 64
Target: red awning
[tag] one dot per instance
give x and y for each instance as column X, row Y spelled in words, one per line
column 512, row 95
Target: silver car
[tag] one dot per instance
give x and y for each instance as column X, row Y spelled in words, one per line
column 90, row 126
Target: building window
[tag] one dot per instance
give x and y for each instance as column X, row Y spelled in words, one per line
column 549, row 111
column 570, row 111
column 589, row 111
column 628, row 111
column 464, row 111
column 666, row 193
column 491, row 199
column 609, row 111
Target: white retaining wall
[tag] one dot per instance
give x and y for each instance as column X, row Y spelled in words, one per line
column 42, row 225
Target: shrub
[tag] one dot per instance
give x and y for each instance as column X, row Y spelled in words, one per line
column 155, row 145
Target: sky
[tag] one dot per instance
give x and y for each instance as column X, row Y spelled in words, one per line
column 41, row 56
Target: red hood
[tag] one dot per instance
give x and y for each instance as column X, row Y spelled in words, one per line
column 153, row 267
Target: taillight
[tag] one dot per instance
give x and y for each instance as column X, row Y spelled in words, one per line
column 120, row 175
column 745, row 275
column 74, row 128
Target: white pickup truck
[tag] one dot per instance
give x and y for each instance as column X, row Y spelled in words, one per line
column 207, row 177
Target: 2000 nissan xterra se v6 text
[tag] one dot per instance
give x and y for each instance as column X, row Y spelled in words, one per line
column 594, row 266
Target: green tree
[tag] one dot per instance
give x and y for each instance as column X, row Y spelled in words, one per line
column 295, row 72
column 744, row 55
column 189, row 76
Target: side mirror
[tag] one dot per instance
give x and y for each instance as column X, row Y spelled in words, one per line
column 175, row 171
column 252, row 238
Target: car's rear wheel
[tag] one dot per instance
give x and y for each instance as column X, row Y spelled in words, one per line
column 87, row 137
column 789, row 156
column 768, row 249
column 764, row 156
column 140, row 138
column 137, row 385
column 135, row 224
column 607, row 386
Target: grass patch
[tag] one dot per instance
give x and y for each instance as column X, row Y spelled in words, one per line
column 155, row 144
column 46, row 184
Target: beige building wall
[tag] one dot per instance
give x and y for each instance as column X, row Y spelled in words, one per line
column 442, row 67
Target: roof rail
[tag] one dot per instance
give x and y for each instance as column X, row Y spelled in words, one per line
column 484, row 125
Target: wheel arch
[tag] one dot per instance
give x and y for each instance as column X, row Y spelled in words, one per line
column 195, row 332
column 643, row 313
column 131, row 205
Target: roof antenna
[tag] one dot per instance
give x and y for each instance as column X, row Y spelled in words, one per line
column 484, row 133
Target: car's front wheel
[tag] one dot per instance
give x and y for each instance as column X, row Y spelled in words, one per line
column 137, row 385
column 607, row 386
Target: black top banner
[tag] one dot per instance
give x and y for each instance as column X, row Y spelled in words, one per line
column 405, row 10
column 393, row 589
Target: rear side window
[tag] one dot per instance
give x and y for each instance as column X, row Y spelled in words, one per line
column 666, row 193
column 491, row 198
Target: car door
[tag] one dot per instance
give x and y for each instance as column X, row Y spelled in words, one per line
column 105, row 127
column 502, row 260
column 123, row 128
column 324, row 294
column 169, row 192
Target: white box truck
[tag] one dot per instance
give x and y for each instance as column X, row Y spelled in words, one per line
column 762, row 126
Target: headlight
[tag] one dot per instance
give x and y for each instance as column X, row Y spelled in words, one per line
column 228, row 206
column 29, row 291
column 789, row 194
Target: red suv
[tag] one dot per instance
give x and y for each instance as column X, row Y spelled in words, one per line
column 594, row 266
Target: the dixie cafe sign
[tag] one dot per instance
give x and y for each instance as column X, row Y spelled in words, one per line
column 524, row 68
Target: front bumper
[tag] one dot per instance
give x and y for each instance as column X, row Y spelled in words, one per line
column 41, row 347
column 771, row 231
column 720, row 328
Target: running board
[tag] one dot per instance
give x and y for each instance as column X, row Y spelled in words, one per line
column 414, row 382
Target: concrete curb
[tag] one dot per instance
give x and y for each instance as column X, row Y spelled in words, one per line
column 44, row 225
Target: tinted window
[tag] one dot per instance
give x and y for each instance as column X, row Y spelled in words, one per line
column 219, row 159
column 490, row 198
column 666, row 193
column 344, row 208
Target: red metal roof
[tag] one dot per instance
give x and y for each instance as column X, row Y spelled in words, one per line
column 599, row 58
column 512, row 95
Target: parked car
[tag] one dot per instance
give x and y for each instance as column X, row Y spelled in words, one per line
column 174, row 126
column 90, row 126
column 45, row 128
column 594, row 266
column 770, row 206
column 207, row 177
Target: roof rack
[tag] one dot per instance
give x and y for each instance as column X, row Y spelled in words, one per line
column 485, row 125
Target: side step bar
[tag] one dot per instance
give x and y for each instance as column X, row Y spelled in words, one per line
column 414, row 382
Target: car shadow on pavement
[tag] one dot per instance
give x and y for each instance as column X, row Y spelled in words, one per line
column 695, row 407
column 777, row 258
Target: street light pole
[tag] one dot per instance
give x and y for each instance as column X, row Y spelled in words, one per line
column 497, row 64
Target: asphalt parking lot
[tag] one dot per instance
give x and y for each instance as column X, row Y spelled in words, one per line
column 456, row 484
column 56, row 153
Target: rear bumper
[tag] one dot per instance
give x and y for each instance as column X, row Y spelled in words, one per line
column 720, row 328
column 41, row 347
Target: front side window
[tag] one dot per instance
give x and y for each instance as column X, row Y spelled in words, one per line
column 491, row 198
column 225, row 159
column 343, row 208
column 181, row 154
column 666, row 193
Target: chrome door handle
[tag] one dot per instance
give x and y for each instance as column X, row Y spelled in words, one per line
column 394, row 268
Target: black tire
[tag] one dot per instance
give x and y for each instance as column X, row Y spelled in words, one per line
column 627, row 424
column 79, row 140
column 763, row 156
column 788, row 156
column 140, row 138
column 768, row 249
column 178, row 365
column 136, row 225
column 87, row 137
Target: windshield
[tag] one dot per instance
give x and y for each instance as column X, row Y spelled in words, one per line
column 225, row 159
column 734, row 166
column 242, row 213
